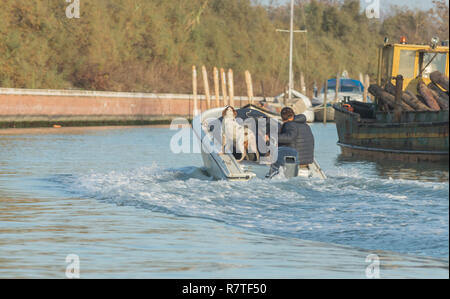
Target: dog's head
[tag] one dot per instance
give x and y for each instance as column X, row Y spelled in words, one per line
column 229, row 112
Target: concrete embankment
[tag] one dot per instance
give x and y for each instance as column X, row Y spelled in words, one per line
column 22, row 108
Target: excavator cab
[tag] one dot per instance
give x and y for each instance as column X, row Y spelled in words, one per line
column 412, row 62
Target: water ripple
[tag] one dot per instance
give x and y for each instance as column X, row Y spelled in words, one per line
column 372, row 213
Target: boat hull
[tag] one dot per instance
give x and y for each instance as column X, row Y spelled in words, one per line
column 225, row 166
column 320, row 114
column 375, row 154
column 418, row 136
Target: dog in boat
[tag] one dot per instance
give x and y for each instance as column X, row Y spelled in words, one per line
column 235, row 134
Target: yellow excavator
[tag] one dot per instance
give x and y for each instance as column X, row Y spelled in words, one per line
column 413, row 62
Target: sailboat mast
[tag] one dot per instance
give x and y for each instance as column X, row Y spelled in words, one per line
column 291, row 51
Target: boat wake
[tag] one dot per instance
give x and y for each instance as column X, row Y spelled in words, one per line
column 349, row 209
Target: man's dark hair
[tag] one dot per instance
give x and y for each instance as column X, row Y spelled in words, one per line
column 287, row 113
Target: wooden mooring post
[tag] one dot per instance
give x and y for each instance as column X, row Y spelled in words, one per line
column 325, row 103
column 206, row 86
column 338, row 86
column 194, row 90
column 231, row 87
column 366, row 87
column 224, row 86
column 249, row 83
column 302, row 84
column 216, row 86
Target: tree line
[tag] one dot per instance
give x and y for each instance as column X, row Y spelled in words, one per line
column 150, row 46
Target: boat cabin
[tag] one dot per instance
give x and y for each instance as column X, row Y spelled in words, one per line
column 345, row 85
column 411, row 61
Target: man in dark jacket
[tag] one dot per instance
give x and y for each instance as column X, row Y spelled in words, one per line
column 295, row 139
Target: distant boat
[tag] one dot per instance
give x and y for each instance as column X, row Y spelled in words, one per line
column 349, row 90
column 300, row 103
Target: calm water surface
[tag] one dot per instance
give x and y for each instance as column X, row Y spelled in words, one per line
column 128, row 207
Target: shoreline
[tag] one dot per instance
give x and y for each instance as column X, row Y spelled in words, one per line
column 71, row 130
column 88, row 122
column 33, row 108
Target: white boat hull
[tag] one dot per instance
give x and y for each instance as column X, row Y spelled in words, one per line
column 320, row 114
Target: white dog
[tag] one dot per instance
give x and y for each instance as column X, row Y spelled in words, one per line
column 234, row 133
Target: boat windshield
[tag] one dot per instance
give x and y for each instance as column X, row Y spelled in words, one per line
column 350, row 89
column 434, row 62
column 347, row 85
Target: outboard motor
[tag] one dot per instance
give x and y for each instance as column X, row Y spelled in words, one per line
column 290, row 167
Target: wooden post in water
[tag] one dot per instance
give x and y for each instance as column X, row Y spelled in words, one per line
column 302, row 84
column 366, row 87
column 224, row 86
column 231, row 87
column 194, row 89
column 338, row 86
column 248, row 81
column 262, row 90
column 325, row 103
column 206, row 86
column 216, row 86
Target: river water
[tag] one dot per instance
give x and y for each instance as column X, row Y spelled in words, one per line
column 128, row 207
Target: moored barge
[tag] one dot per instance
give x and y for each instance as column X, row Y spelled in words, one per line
column 393, row 127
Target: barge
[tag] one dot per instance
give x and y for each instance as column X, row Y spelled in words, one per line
column 386, row 130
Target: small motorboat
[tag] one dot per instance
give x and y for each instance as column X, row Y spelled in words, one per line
column 300, row 103
column 225, row 166
column 349, row 90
